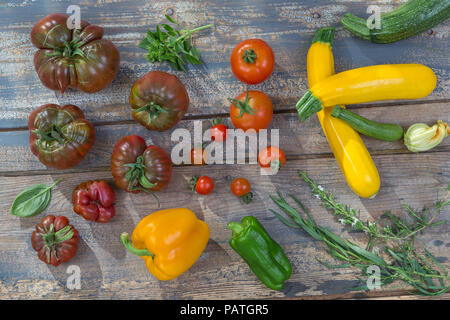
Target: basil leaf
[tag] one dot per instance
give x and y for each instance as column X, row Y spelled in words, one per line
column 32, row 201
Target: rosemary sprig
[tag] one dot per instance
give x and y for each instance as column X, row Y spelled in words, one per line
column 421, row 271
column 388, row 227
column 172, row 45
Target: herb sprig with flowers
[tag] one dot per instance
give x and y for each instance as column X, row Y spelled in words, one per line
column 420, row 270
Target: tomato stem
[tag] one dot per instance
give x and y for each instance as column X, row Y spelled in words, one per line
column 54, row 133
column 52, row 239
column 153, row 109
column 136, row 175
column 243, row 106
column 249, row 56
column 71, row 49
column 247, row 198
column 193, row 183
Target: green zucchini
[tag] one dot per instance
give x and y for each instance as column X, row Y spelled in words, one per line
column 377, row 130
column 411, row 18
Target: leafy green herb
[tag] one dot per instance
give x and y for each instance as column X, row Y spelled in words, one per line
column 172, row 45
column 32, row 201
column 388, row 227
column 421, row 271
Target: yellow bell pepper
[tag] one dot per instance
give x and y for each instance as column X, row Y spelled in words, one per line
column 347, row 146
column 169, row 241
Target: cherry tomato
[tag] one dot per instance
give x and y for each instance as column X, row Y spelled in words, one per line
column 198, row 156
column 272, row 157
column 252, row 61
column 240, row 187
column 218, row 131
column 203, row 185
column 251, row 110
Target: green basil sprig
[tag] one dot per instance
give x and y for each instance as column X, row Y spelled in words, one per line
column 32, row 201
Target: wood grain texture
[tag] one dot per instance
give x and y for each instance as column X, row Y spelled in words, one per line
column 286, row 26
column 297, row 140
column 107, row 270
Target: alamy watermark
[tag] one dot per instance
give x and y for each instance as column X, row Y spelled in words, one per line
column 239, row 147
column 374, row 279
column 374, row 20
column 74, row 280
column 74, row 20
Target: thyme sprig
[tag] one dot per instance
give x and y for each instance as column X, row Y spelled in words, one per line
column 422, row 271
column 172, row 45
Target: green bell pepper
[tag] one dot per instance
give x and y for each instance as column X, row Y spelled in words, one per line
column 264, row 256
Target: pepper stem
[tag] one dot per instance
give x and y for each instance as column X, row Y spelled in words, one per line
column 236, row 227
column 125, row 239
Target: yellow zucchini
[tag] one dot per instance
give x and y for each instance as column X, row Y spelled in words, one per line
column 373, row 83
column 347, row 146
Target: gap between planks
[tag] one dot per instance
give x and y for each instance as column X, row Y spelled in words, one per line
column 26, row 173
column 275, row 112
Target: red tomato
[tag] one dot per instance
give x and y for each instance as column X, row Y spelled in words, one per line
column 272, row 157
column 198, row 156
column 218, row 131
column 240, row 187
column 203, row 185
column 251, row 110
column 252, row 61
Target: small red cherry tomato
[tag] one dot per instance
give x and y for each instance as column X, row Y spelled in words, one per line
column 218, row 131
column 203, row 185
column 240, row 187
column 94, row 201
column 252, row 61
column 272, row 157
column 198, row 156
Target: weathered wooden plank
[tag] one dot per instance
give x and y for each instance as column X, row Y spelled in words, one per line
column 107, row 271
column 286, row 26
column 297, row 139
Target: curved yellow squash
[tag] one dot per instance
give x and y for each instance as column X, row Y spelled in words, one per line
column 375, row 83
column 348, row 148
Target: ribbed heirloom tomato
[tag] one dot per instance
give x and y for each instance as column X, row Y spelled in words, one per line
column 77, row 58
column 251, row 110
column 60, row 136
column 252, row 61
column 137, row 167
column 158, row 100
column 55, row 240
column 94, row 201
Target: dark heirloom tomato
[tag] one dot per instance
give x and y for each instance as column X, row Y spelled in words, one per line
column 77, row 58
column 55, row 240
column 158, row 100
column 136, row 167
column 60, row 136
column 94, row 200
